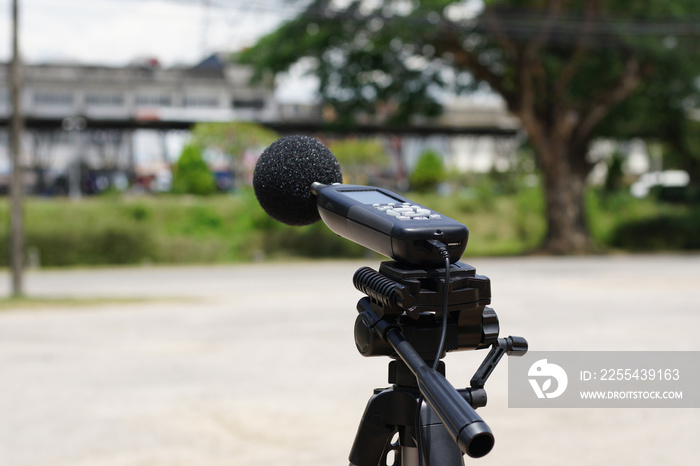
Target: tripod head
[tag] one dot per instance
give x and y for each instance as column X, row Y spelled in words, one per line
column 413, row 299
column 401, row 318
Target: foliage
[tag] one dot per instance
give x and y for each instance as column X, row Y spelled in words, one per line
column 166, row 229
column 233, row 228
column 192, row 175
column 683, row 150
column 357, row 156
column 660, row 109
column 90, row 232
column 615, row 173
column 562, row 67
column 232, row 138
column 370, row 55
column 108, row 244
column 428, row 173
column 665, row 232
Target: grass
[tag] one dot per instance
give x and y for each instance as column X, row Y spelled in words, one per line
column 24, row 303
column 498, row 225
column 128, row 230
column 233, row 228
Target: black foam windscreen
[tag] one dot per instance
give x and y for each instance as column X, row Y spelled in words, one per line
column 283, row 176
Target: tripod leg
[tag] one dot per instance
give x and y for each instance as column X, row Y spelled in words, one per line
column 390, row 411
column 371, row 442
column 438, row 447
column 387, row 412
column 409, row 456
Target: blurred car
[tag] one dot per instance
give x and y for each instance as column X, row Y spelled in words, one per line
column 662, row 179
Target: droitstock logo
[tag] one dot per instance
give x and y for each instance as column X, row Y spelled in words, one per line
column 604, row 379
column 546, row 372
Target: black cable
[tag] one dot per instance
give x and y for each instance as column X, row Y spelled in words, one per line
column 445, row 296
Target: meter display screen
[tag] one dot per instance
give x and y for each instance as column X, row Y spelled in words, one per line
column 370, row 197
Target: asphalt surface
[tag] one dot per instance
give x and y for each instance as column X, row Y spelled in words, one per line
column 256, row 364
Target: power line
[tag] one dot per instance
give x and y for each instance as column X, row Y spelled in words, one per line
column 270, row 6
column 233, row 16
column 514, row 21
column 517, row 18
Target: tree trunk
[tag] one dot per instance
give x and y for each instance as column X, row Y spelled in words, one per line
column 564, row 182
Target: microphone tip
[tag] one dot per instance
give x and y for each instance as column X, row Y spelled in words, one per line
column 284, row 174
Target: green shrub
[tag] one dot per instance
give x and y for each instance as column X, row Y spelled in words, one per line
column 615, row 176
column 108, row 244
column 314, row 241
column 428, row 173
column 192, row 175
column 665, row 232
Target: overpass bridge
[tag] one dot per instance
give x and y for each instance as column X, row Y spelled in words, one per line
column 91, row 115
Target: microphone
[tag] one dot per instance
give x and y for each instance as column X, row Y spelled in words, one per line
column 284, row 174
column 297, row 182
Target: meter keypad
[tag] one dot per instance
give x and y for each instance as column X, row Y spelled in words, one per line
column 406, row 211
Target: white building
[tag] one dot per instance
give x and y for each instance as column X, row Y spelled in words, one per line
column 110, row 117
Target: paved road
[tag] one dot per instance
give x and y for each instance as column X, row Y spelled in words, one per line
column 255, row 364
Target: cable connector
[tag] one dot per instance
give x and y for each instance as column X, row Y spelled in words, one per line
column 440, row 247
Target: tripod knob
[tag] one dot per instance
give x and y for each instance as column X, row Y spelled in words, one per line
column 367, row 341
column 516, row 346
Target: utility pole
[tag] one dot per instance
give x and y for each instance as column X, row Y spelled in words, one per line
column 204, row 29
column 16, row 180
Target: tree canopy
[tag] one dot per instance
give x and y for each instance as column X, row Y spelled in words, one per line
column 233, row 139
column 563, row 67
column 357, row 156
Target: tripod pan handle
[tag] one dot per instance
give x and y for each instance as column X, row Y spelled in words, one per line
column 466, row 428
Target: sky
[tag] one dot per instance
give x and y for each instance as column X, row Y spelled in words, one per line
column 176, row 32
column 117, row 32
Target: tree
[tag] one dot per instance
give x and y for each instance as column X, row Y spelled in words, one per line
column 664, row 109
column 561, row 66
column 356, row 156
column 233, row 139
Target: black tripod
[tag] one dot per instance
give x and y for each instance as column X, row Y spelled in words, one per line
column 422, row 413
